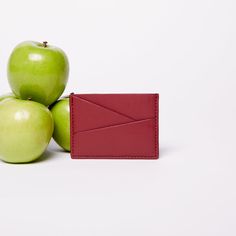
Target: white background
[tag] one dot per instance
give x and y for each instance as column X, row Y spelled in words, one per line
column 186, row 51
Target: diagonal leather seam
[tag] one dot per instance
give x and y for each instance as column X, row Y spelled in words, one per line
column 116, row 125
column 107, row 108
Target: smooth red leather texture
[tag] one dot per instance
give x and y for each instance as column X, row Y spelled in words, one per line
column 114, row 126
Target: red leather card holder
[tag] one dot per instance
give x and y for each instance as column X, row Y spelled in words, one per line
column 114, row 126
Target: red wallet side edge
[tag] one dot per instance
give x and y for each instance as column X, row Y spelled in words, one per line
column 73, row 156
column 157, row 125
column 71, row 124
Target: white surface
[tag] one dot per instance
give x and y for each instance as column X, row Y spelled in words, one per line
column 185, row 50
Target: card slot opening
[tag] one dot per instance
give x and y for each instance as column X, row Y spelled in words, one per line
column 107, row 108
column 115, row 125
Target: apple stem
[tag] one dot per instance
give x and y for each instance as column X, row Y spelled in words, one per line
column 45, row 44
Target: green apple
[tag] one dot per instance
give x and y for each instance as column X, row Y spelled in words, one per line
column 8, row 95
column 38, row 71
column 26, row 128
column 61, row 116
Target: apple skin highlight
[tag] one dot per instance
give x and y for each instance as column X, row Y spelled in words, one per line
column 26, row 129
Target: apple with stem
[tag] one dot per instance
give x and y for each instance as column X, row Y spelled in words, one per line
column 38, row 71
column 26, row 129
column 61, row 116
